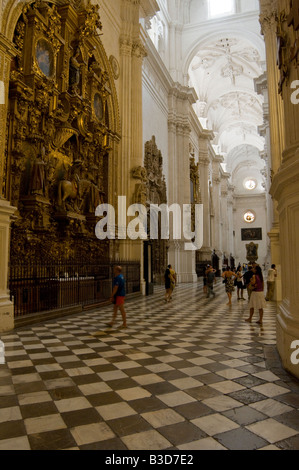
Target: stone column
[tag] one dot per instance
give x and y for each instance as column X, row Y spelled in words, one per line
column 224, row 211
column 272, row 215
column 285, row 188
column 132, row 52
column 172, row 49
column 7, row 51
column 180, row 100
column 268, row 20
column 230, row 219
column 204, row 176
column 216, row 242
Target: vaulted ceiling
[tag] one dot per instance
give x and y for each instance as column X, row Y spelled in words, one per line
column 222, row 73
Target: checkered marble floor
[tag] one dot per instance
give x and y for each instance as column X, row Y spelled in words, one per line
column 188, row 375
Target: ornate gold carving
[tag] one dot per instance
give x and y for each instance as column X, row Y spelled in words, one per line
column 293, row 17
column 194, row 177
column 154, row 166
column 57, row 142
column 19, row 35
column 92, row 22
column 115, row 67
column 282, row 50
column 288, row 42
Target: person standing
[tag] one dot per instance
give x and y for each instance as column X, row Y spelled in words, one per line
column 173, row 280
column 211, row 279
column 118, row 297
column 205, row 287
column 257, row 299
column 229, row 277
column 240, row 286
column 247, row 278
column 272, row 274
column 167, row 279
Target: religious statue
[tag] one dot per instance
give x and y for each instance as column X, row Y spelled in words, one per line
column 37, row 185
column 74, row 73
column 252, row 252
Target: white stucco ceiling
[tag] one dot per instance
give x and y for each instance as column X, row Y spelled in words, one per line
column 222, row 73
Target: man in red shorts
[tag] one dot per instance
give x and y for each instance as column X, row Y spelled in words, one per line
column 118, row 296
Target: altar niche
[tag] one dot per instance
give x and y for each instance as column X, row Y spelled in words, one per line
column 60, row 129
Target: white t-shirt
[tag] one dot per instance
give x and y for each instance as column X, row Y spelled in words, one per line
column 272, row 273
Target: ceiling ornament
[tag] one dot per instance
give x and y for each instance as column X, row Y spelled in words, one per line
column 239, row 103
column 232, row 71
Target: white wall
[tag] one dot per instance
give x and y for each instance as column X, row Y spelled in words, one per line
column 257, row 204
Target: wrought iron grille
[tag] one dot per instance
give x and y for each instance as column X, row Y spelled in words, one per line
column 37, row 288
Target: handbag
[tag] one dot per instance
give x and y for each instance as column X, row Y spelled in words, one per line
column 252, row 285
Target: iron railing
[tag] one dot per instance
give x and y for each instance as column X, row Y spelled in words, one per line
column 36, row 288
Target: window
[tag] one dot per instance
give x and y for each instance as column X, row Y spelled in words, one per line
column 221, row 7
column 249, row 217
column 250, row 184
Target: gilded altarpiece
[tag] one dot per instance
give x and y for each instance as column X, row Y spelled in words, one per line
column 58, row 133
column 156, row 193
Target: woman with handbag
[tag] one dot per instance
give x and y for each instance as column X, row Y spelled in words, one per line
column 229, row 277
column 257, row 298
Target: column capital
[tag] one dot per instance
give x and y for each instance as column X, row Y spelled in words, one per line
column 268, row 21
column 216, row 179
column 126, row 44
column 203, row 161
column 139, row 50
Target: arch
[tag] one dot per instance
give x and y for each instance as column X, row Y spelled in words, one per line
column 12, row 13
column 195, row 47
column 253, row 141
column 235, row 157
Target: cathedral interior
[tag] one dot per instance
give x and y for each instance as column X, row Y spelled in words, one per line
column 154, row 104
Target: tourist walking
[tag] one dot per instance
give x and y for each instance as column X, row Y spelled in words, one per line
column 170, row 282
column 118, row 297
column 229, row 277
column 272, row 274
column 257, row 299
column 205, row 287
column 211, row 280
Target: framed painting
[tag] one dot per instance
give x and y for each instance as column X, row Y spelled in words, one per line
column 251, row 234
column 44, row 56
column 98, row 106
